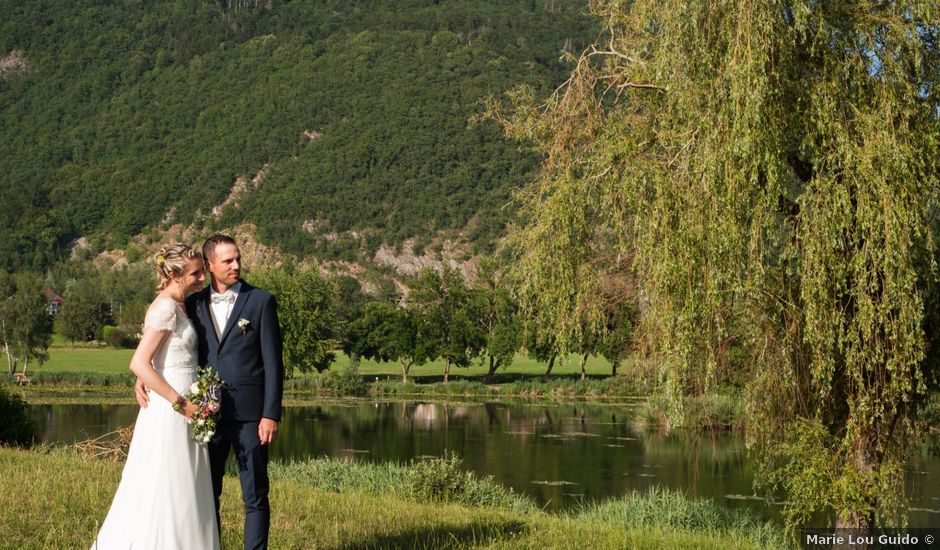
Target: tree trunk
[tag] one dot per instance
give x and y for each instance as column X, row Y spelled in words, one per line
column 6, row 346
column 10, row 366
column 551, row 364
column 859, row 524
column 613, row 367
column 446, row 368
column 583, row 363
column 25, row 365
column 492, row 369
column 405, row 367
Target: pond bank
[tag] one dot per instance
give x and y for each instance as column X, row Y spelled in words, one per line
column 336, row 504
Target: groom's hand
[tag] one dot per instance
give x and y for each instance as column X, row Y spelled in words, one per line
column 140, row 392
column 267, row 431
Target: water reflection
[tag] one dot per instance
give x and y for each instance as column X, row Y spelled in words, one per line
column 559, row 454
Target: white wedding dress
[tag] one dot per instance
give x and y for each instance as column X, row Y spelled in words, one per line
column 164, row 500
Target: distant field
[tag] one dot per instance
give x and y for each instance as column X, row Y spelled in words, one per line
column 64, row 358
column 596, row 366
column 86, row 359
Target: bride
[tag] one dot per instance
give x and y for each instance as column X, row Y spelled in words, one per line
column 165, row 499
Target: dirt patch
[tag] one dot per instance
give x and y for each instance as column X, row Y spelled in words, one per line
column 13, row 63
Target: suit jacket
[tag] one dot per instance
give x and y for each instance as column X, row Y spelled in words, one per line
column 248, row 361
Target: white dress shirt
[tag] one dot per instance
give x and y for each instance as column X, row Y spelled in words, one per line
column 220, row 305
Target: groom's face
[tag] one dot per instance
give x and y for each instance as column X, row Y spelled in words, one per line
column 224, row 264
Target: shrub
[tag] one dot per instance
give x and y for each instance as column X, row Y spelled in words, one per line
column 17, row 427
column 713, row 411
column 438, row 479
column 345, row 380
column 115, row 337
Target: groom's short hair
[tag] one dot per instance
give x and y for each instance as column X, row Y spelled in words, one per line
column 208, row 248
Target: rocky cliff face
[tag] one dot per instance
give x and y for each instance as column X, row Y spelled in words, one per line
column 405, row 262
column 408, row 264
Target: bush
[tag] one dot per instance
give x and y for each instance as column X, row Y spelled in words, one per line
column 17, row 427
column 713, row 411
column 345, row 380
column 115, row 337
column 438, row 479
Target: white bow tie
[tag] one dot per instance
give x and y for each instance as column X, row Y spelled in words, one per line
column 226, row 297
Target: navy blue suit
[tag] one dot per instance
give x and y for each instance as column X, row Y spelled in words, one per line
column 250, row 364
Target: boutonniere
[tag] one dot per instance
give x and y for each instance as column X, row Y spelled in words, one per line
column 243, row 325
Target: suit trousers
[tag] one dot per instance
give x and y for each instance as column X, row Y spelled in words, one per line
column 251, row 457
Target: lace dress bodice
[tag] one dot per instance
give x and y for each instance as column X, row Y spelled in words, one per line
column 178, row 351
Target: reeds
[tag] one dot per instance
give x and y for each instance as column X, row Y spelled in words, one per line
column 111, row 446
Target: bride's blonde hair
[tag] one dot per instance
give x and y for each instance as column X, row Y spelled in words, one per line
column 171, row 260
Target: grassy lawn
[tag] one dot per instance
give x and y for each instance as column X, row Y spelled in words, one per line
column 67, row 358
column 56, row 499
column 87, row 359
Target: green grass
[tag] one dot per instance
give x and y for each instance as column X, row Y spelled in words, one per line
column 54, row 498
column 82, row 358
column 87, row 359
column 521, row 366
column 713, row 411
column 93, row 368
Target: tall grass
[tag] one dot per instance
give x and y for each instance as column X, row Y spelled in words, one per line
column 713, row 411
column 55, row 498
column 665, row 509
column 434, row 480
column 118, row 380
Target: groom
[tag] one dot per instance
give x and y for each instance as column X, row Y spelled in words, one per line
column 239, row 336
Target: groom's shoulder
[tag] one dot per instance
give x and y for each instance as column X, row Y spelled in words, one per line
column 261, row 294
column 257, row 293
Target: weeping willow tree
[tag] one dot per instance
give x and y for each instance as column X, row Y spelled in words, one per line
column 766, row 171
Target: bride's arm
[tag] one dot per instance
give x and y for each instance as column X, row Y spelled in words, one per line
column 142, row 367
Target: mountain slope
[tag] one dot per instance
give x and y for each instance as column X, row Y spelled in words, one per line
column 352, row 119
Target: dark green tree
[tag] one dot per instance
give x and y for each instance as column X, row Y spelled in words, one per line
column 617, row 341
column 84, row 312
column 497, row 317
column 349, row 300
column 307, row 315
column 444, row 308
column 540, row 346
column 386, row 332
column 25, row 328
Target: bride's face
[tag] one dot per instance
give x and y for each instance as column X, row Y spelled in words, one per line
column 193, row 277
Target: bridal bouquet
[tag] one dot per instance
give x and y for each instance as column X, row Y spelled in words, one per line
column 206, row 394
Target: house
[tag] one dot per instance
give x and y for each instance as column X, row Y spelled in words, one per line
column 54, row 302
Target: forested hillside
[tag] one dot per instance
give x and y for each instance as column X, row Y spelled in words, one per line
column 350, row 122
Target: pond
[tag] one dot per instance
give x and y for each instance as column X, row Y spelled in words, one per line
column 560, row 454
